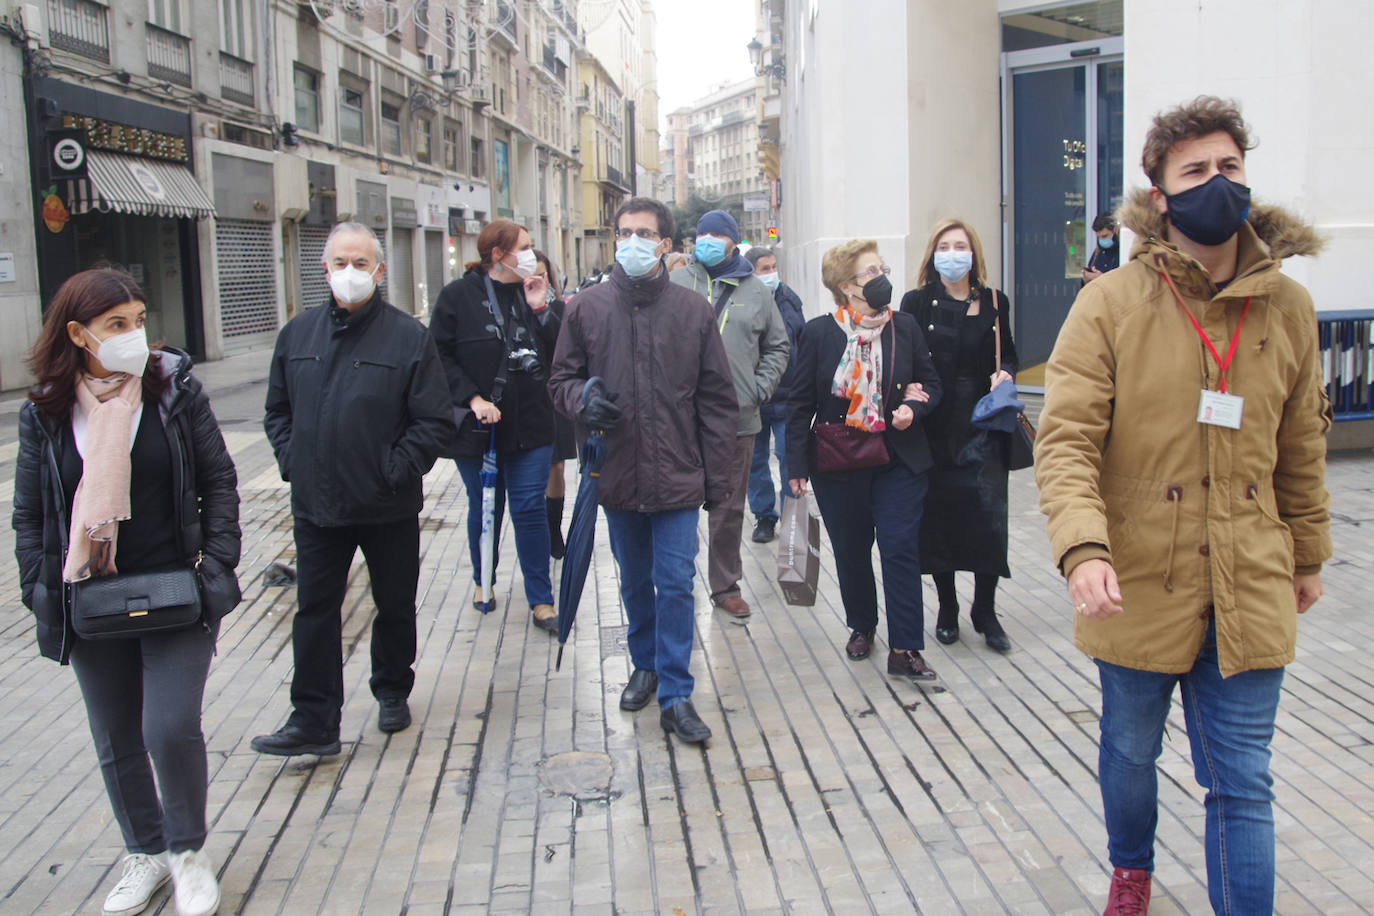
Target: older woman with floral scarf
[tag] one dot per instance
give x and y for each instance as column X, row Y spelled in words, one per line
column 865, row 371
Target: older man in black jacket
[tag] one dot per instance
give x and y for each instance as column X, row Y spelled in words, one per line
column 358, row 410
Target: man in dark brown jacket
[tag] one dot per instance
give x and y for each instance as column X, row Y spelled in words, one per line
column 669, row 422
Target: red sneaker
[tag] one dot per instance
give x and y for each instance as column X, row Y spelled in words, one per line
column 1130, row 893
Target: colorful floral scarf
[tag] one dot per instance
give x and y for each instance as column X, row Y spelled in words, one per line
column 858, row 378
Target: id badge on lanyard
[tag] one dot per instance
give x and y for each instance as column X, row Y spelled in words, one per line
column 1217, row 408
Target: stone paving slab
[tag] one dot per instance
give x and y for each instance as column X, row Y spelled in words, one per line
column 827, row 787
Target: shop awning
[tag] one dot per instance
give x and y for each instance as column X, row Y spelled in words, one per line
column 143, row 187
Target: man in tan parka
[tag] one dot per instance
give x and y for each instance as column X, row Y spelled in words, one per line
column 1181, row 461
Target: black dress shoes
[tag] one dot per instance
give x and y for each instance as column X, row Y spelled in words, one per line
column 765, row 530
column 682, row 720
column 641, row 689
column 947, row 626
column 394, row 715
column 292, row 740
column 991, row 628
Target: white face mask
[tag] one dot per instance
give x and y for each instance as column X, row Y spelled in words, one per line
column 526, row 263
column 351, row 285
column 127, row 352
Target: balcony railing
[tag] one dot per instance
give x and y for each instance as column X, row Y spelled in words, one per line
column 613, row 176
column 505, row 18
column 81, row 27
column 169, row 56
column 235, row 79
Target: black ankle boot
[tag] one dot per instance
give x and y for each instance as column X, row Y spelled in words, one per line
column 985, row 621
column 553, row 508
column 947, row 625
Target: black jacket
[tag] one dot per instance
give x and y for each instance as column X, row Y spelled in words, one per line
column 656, row 347
column 473, row 348
column 203, row 479
column 794, row 319
column 357, row 412
column 811, row 376
column 941, row 317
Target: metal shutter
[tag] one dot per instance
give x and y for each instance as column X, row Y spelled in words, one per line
column 386, row 274
column 310, row 250
column 434, row 267
column 246, row 263
column 401, row 268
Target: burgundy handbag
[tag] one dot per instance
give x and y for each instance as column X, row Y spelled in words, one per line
column 841, row 447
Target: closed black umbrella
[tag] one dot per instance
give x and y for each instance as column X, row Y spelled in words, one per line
column 582, row 531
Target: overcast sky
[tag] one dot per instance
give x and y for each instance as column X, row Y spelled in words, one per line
column 701, row 44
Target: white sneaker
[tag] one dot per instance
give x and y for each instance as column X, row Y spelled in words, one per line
column 197, row 890
column 143, row 875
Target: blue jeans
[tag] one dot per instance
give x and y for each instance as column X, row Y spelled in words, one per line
column 521, row 476
column 760, row 480
column 656, row 553
column 1230, row 724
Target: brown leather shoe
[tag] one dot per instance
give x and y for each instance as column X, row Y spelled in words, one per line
column 545, row 617
column 859, row 645
column 735, row 606
column 908, row 663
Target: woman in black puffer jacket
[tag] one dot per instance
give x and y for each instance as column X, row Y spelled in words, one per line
column 123, row 441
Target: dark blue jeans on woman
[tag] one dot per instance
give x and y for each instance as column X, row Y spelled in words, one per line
column 522, row 478
column 1230, row 724
column 887, row 503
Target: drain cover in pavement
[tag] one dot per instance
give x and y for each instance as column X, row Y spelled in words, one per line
column 577, row 773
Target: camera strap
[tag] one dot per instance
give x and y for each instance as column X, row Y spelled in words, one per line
column 498, row 385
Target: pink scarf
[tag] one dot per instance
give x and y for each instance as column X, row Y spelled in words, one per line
column 858, row 377
column 101, row 501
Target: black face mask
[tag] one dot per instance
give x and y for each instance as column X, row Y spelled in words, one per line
column 1212, row 212
column 878, row 292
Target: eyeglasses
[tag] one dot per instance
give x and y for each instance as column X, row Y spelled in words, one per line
column 648, row 235
column 872, row 272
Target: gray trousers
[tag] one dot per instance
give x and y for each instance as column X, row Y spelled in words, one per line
column 143, row 698
column 725, row 524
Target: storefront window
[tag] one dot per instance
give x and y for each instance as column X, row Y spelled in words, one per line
column 307, row 100
column 351, row 117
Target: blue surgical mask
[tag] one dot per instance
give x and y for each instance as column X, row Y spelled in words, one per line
column 953, row 265
column 770, row 280
column 1108, row 242
column 637, row 256
column 710, row 250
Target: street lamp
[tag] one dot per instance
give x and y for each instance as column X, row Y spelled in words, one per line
column 776, row 69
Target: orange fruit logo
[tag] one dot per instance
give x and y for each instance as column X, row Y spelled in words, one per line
column 55, row 215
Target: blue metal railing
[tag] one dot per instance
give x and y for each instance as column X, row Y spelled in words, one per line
column 1347, row 352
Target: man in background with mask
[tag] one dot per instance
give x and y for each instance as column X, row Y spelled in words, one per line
column 1181, row 460
column 773, row 413
column 358, row 409
column 755, row 338
column 668, row 414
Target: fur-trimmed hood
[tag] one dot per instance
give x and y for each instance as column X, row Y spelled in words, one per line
column 1284, row 233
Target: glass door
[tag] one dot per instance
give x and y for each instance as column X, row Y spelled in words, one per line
column 1063, row 165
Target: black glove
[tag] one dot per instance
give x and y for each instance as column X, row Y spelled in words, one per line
column 708, row 506
column 601, row 412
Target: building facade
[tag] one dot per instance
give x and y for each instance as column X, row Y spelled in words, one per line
column 606, row 170
column 1026, row 118
column 221, row 139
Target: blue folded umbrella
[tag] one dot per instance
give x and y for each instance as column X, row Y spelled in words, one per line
column 582, row 531
column 998, row 408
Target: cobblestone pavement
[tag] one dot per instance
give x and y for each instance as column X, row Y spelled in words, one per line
column 827, row 787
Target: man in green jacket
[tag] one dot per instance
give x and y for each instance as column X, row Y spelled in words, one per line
column 755, row 341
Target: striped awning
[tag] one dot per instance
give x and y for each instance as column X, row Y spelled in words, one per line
column 143, row 187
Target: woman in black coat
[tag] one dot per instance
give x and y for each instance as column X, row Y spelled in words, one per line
column 867, row 368
column 497, row 356
column 122, row 468
column 965, row 525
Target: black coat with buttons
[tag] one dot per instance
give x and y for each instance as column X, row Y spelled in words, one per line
column 358, row 410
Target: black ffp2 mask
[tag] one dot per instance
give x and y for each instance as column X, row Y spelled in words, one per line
column 1212, row 212
column 878, row 292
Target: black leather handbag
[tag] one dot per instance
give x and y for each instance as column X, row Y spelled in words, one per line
column 129, row 605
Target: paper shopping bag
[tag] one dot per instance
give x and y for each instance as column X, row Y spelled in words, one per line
column 799, row 552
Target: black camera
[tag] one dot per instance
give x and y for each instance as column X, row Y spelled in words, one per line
column 525, row 360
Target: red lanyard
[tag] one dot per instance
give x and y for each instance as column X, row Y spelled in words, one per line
column 1231, row 351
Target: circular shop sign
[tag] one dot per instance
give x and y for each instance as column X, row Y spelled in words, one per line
column 68, row 155
column 148, row 180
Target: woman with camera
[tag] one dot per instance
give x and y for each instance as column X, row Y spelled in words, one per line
column 496, row 333
column 124, row 492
